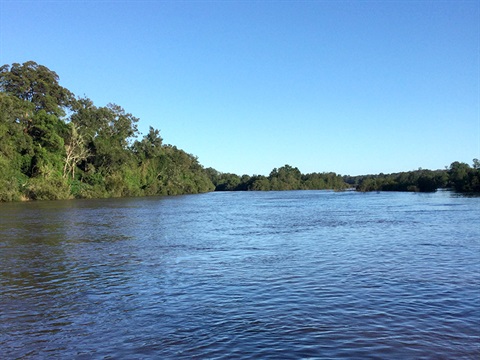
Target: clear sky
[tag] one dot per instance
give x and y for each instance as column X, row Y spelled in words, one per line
column 354, row 87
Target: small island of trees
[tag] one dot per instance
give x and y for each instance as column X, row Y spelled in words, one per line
column 54, row 145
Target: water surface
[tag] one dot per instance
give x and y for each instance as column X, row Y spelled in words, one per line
column 290, row 275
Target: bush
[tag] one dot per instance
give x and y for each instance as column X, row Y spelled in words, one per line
column 9, row 190
column 53, row 188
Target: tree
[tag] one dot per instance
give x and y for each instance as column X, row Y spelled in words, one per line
column 476, row 164
column 285, row 178
column 36, row 84
column 108, row 132
column 14, row 139
column 75, row 151
column 458, row 175
column 227, row 182
column 427, row 183
column 48, row 131
column 259, row 183
column 150, row 146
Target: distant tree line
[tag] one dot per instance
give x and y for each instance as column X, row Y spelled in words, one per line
column 284, row 178
column 54, row 145
column 459, row 177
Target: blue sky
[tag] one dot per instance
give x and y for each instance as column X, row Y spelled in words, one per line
column 354, row 87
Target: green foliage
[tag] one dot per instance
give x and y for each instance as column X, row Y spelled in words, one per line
column 47, row 131
column 35, row 84
column 316, row 181
column 93, row 153
column 150, row 147
column 259, row 183
column 182, row 173
column 90, row 154
column 14, row 140
column 52, row 186
column 11, row 181
column 415, row 181
column 228, row 182
column 105, row 134
column 464, row 178
column 284, row 178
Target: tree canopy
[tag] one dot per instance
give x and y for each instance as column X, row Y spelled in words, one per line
column 54, row 145
column 459, row 176
column 92, row 152
column 36, row 84
column 283, row 178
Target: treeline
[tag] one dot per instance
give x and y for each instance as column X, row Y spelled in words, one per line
column 56, row 146
column 284, row 178
column 459, row 176
column 416, row 181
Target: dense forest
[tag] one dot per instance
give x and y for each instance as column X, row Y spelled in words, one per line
column 54, row 145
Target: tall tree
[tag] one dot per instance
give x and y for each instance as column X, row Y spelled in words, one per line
column 150, row 146
column 36, row 84
column 107, row 131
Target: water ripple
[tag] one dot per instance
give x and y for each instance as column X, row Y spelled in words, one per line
column 238, row 276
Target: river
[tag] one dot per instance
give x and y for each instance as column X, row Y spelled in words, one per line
column 242, row 275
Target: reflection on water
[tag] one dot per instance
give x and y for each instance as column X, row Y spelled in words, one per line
column 309, row 274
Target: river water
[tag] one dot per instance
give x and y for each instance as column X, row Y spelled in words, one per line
column 242, row 275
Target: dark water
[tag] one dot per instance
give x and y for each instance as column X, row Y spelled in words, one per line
column 264, row 275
